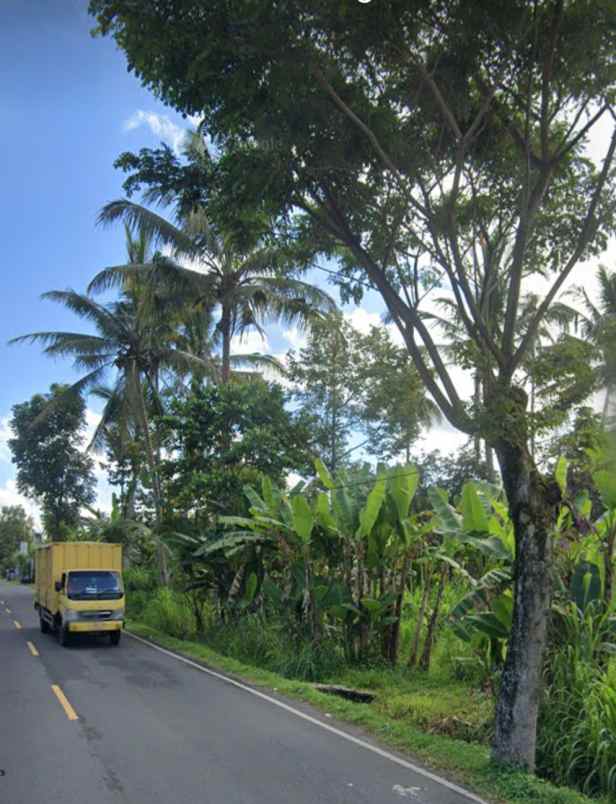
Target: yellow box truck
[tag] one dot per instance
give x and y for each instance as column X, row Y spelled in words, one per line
column 78, row 589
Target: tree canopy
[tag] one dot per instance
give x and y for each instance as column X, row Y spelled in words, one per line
column 47, row 449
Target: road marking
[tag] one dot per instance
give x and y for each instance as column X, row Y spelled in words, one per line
column 17, row 625
column 8, row 611
column 33, row 650
column 298, row 713
column 70, row 712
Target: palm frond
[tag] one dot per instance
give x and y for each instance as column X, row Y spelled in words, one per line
column 185, row 362
column 65, row 343
column 115, row 412
column 85, row 307
column 156, row 228
column 607, row 290
column 115, row 276
column 259, row 361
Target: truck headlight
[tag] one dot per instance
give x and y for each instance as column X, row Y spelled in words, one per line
column 118, row 614
column 69, row 615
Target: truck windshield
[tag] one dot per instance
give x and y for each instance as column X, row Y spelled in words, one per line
column 94, row 585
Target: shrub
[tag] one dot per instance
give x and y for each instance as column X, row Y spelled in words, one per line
column 140, row 585
column 171, row 613
column 139, row 579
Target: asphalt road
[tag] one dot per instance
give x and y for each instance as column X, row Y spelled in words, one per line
column 150, row 729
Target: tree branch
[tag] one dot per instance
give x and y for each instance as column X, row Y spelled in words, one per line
column 440, row 101
column 586, row 234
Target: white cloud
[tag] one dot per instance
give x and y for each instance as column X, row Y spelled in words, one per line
column 248, row 343
column 444, row 438
column 363, row 320
column 5, row 434
column 92, row 422
column 293, row 479
column 296, row 338
column 160, row 125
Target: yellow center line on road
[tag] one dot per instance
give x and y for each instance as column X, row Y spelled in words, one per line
column 70, row 712
column 17, row 625
column 32, row 648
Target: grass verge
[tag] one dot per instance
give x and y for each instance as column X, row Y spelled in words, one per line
column 466, row 763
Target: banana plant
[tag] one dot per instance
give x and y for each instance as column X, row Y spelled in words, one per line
column 378, row 539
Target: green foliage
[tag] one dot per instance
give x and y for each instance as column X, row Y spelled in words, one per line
column 224, row 437
column 564, row 376
column 267, row 645
column 577, row 734
column 51, row 466
column 171, row 613
column 15, row 527
column 140, row 585
column 350, row 383
column 603, row 469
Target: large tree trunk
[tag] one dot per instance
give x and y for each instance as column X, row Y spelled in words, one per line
column 531, row 506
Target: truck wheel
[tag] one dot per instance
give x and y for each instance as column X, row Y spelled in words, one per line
column 63, row 635
column 114, row 637
column 44, row 624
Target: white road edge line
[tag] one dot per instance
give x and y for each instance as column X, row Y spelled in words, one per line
column 298, row 713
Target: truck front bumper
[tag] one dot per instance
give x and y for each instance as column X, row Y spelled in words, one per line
column 94, row 627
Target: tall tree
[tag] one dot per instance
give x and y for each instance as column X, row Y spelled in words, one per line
column 395, row 406
column 361, row 390
column 327, row 385
column 15, row 527
column 48, row 450
column 205, row 475
column 247, row 286
column 416, row 140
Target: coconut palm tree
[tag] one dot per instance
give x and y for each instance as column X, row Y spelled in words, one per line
column 133, row 343
column 241, row 289
column 597, row 323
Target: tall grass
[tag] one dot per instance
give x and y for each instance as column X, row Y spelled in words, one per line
column 577, row 726
column 171, row 613
column 140, row 585
column 268, row 645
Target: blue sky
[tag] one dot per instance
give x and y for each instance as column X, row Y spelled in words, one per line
column 66, row 100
